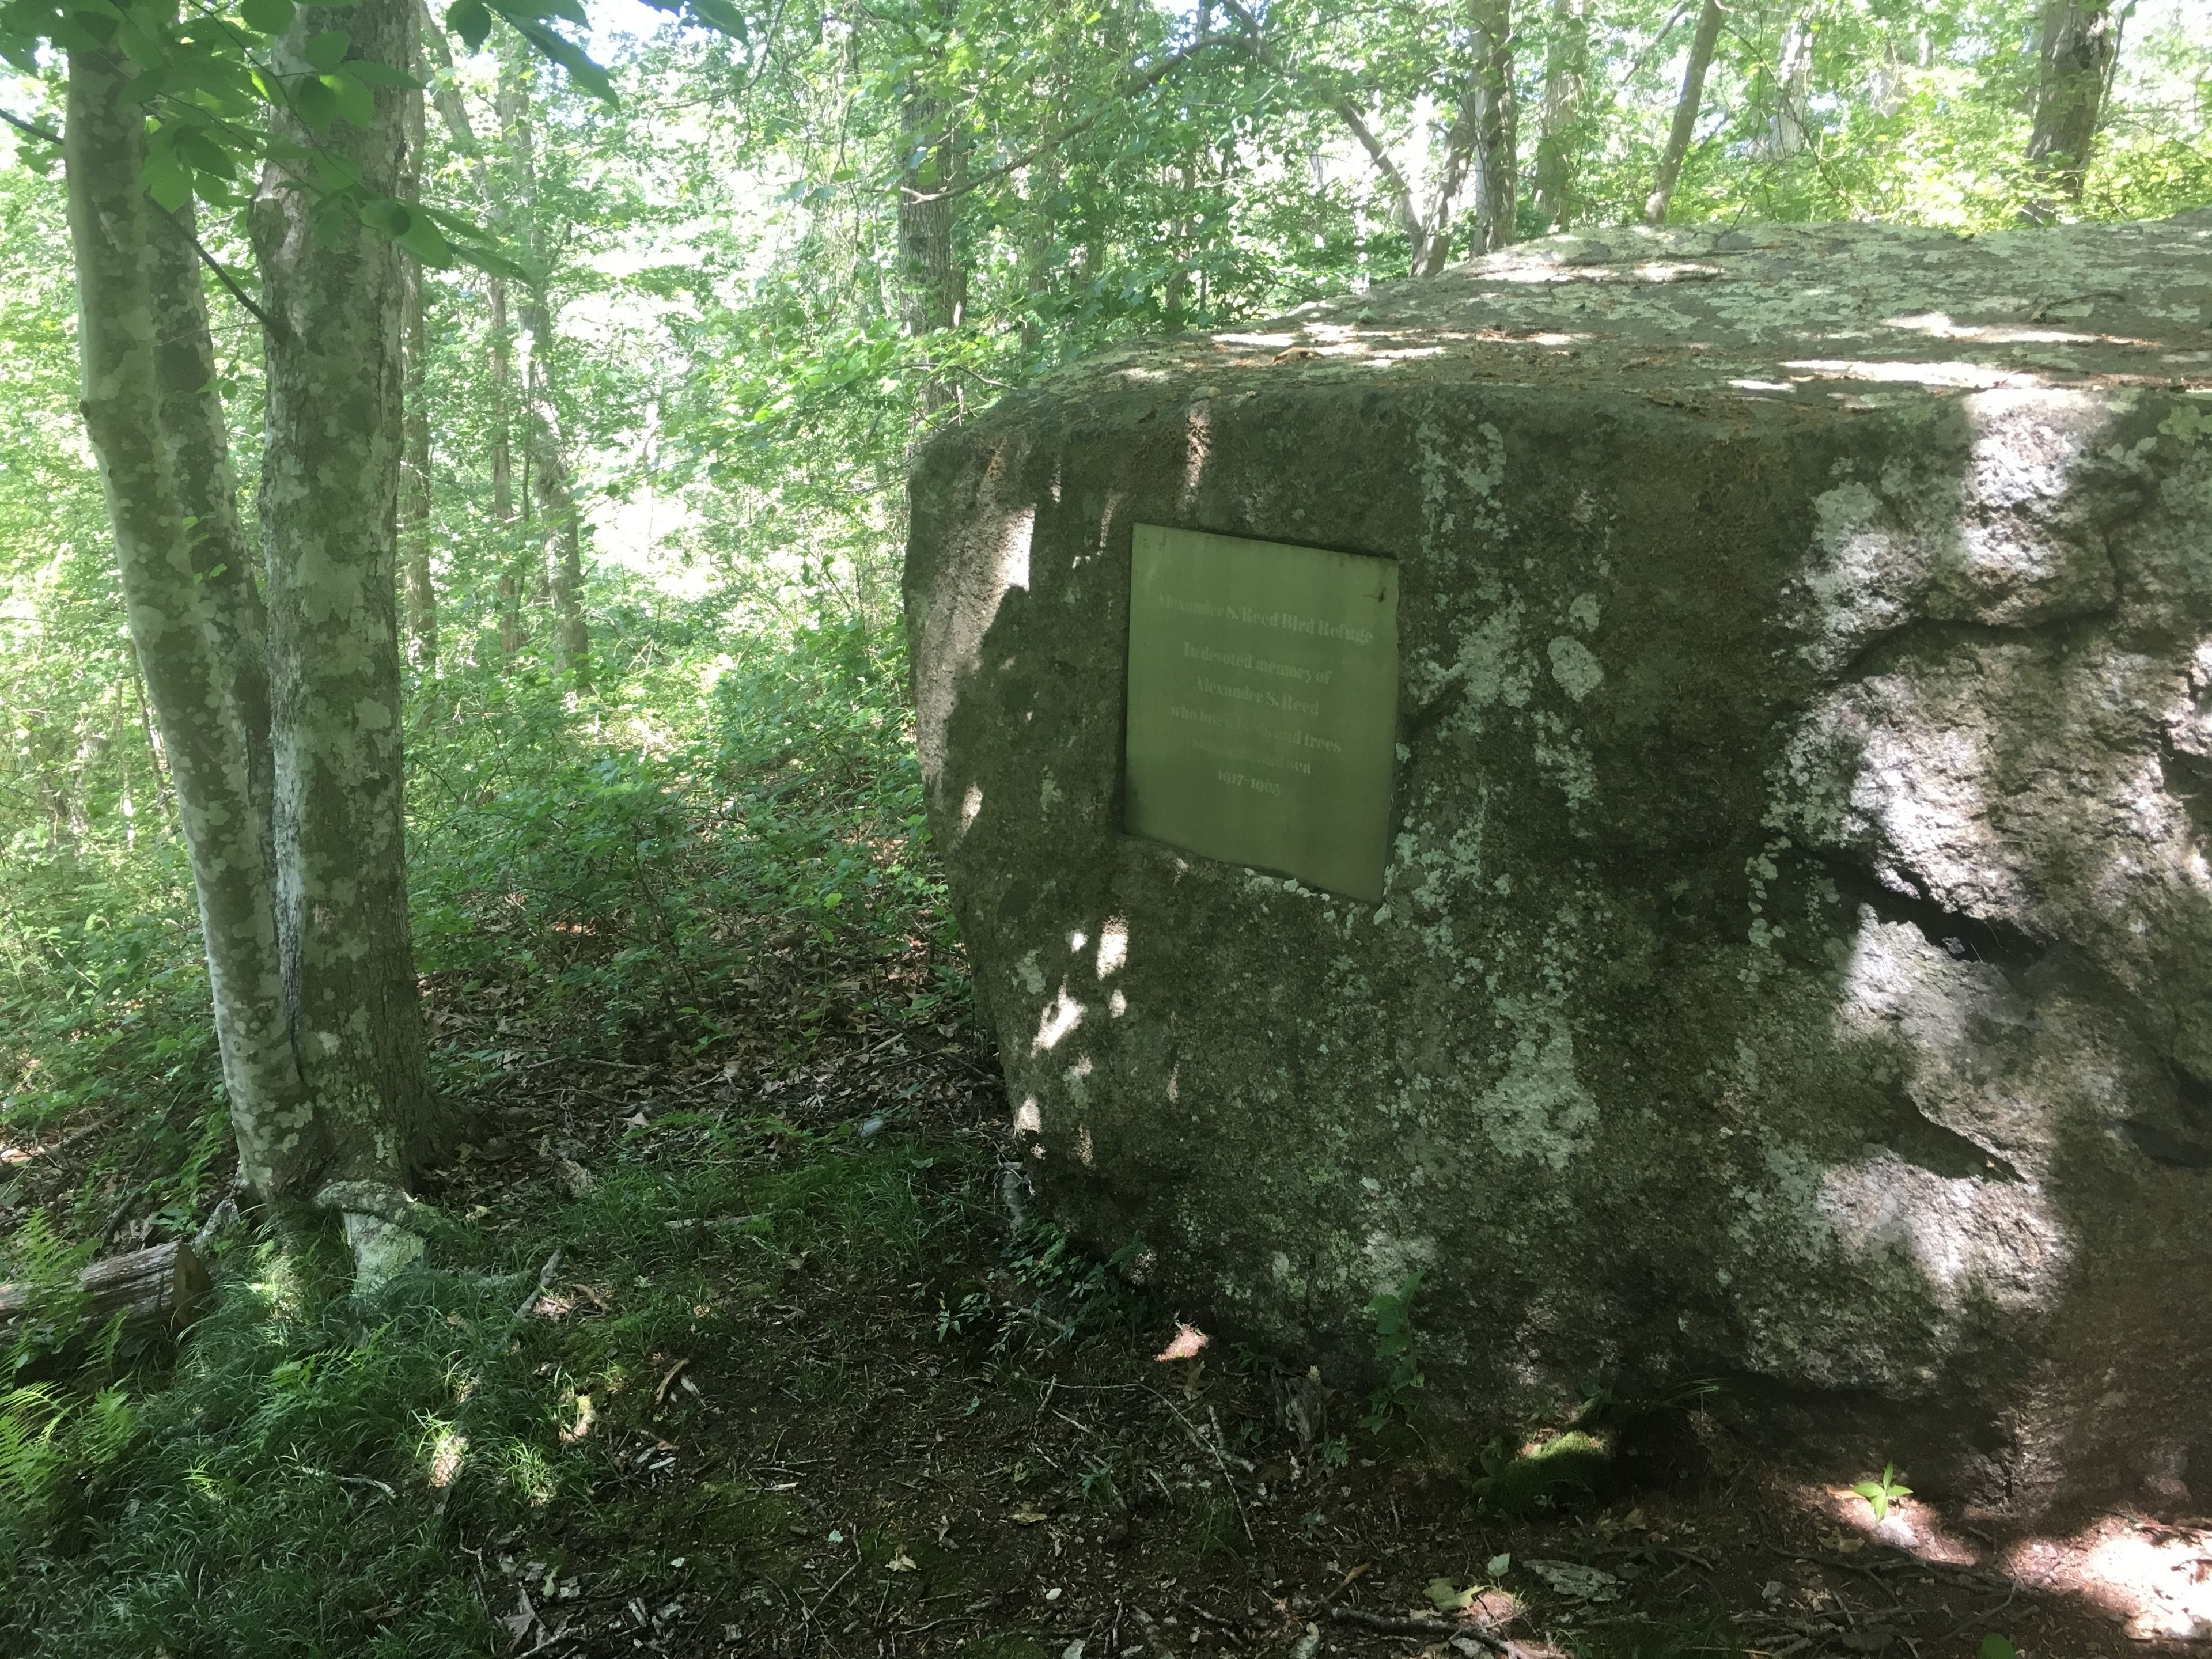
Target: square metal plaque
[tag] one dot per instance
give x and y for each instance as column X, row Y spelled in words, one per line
column 1263, row 704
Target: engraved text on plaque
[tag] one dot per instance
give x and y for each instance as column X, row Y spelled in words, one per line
column 1263, row 692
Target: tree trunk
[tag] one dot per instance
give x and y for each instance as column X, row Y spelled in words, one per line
column 329, row 509
column 1793, row 86
column 2078, row 43
column 142, row 323
column 560, row 526
column 1566, row 76
column 414, row 458
column 499, row 328
column 1497, row 125
column 1686, row 114
column 928, row 258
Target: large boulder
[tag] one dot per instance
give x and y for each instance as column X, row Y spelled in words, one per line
column 1794, row 961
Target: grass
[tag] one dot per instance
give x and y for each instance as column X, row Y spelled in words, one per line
column 297, row 1482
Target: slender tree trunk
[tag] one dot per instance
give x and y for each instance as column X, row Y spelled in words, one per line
column 2080, row 40
column 1686, row 113
column 1793, row 85
column 1566, row 77
column 935, row 284
column 330, row 487
column 1497, row 126
column 198, row 437
column 414, row 458
column 499, row 330
column 139, row 308
column 562, row 524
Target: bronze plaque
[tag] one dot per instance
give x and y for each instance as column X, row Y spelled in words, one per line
column 1263, row 704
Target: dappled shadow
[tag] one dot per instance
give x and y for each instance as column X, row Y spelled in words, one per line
column 1814, row 1000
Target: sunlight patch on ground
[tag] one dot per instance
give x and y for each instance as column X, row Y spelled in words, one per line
column 2154, row 1580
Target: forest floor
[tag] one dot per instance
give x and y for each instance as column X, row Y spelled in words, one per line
column 798, row 1384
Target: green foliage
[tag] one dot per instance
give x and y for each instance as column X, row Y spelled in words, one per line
column 1538, row 1475
column 1398, row 1345
column 1995, row 1646
column 305, row 1467
column 1882, row 1491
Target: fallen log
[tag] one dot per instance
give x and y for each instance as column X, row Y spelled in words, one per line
column 158, row 1289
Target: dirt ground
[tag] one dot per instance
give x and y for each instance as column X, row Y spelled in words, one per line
column 987, row 1446
column 947, row 1457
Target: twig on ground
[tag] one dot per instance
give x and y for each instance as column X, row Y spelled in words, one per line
column 545, row 1282
column 1390, row 1625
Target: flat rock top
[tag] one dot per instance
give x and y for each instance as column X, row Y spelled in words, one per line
column 1822, row 315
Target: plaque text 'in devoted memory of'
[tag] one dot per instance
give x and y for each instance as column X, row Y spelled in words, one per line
column 1263, row 695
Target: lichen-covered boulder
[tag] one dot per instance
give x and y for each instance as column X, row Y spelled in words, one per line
column 1794, row 967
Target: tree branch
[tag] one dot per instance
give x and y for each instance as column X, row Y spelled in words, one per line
column 230, row 285
column 31, row 127
column 1129, row 88
column 1402, row 193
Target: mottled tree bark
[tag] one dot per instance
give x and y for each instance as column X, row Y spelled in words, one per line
column 415, row 457
column 2079, row 41
column 147, row 389
column 1566, row 77
column 1686, row 114
column 329, row 511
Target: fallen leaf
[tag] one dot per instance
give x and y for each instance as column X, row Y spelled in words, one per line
column 575, row 1180
column 1189, row 1342
column 1573, row 1578
column 901, row 1562
column 1447, row 1598
column 1026, row 1516
column 520, row 1621
column 1495, row 1567
column 637, row 1121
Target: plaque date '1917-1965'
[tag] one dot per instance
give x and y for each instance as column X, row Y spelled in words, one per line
column 1263, row 701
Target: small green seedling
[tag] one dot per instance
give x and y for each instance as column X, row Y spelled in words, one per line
column 1398, row 1343
column 1880, row 1494
column 1995, row 1646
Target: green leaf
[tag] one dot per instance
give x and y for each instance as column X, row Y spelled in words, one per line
column 327, row 50
column 143, row 88
column 1448, row 1599
column 565, row 53
column 380, row 75
column 720, row 14
column 356, row 103
column 470, row 20
column 422, row 239
column 316, row 103
column 267, row 16
column 568, row 10
column 1495, row 1567
column 166, row 179
column 1995, row 1646
column 204, row 154
column 140, row 47
column 335, row 172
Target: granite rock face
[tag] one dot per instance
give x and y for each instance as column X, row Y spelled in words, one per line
column 1796, row 966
